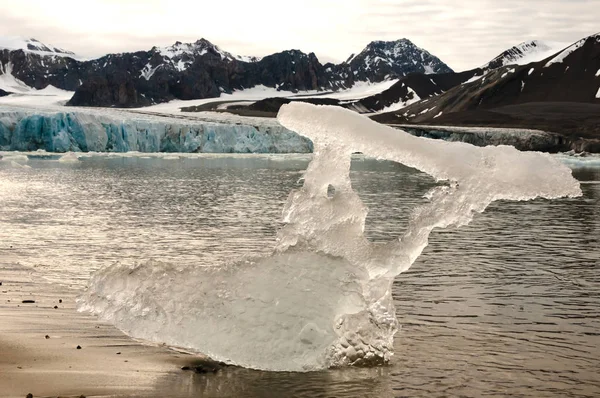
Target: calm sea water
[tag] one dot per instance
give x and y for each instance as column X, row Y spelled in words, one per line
column 507, row 306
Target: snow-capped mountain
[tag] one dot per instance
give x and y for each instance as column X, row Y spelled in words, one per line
column 182, row 55
column 394, row 58
column 33, row 46
column 201, row 70
column 524, row 53
column 535, row 95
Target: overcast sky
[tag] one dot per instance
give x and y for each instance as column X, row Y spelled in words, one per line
column 463, row 33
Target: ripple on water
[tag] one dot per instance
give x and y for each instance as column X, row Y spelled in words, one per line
column 509, row 305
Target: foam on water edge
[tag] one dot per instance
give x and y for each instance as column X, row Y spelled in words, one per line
column 323, row 297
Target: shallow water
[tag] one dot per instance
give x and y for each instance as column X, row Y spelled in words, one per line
column 508, row 305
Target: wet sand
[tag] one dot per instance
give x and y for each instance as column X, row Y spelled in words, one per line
column 108, row 363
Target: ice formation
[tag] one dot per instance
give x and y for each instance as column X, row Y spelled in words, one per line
column 323, row 297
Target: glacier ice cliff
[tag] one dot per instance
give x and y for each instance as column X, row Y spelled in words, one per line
column 28, row 130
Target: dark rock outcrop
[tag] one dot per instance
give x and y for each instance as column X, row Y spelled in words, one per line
column 114, row 90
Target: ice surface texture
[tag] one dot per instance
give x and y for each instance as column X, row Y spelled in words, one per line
column 323, row 298
column 80, row 131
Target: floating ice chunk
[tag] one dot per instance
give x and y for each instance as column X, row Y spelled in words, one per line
column 323, row 297
column 17, row 165
column 69, row 157
column 171, row 157
column 18, row 158
column 576, row 161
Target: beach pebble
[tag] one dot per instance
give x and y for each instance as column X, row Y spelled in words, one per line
column 28, row 301
column 60, row 301
column 56, row 307
column 79, row 347
column 30, row 395
column 47, row 337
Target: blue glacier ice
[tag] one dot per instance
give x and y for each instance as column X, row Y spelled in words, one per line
column 28, row 130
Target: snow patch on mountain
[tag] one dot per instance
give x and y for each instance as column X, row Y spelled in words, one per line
column 560, row 57
column 9, row 83
column 473, row 79
column 22, row 93
column 565, row 53
column 524, row 53
column 429, row 69
column 13, row 43
column 511, row 70
column 411, row 98
column 148, row 71
column 361, row 90
column 358, row 91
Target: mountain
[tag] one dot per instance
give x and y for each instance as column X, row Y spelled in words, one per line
column 381, row 59
column 522, row 54
column 191, row 71
column 32, row 46
column 413, row 88
column 560, row 92
column 201, row 70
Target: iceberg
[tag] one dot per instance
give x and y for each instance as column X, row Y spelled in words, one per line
column 322, row 298
column 108, row 131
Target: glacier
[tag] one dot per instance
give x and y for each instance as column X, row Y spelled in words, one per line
column 322, row 298
column 113, row 131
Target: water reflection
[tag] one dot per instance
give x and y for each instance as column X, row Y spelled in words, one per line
column 238, row 382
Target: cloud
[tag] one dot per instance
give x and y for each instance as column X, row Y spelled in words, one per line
column 464, row 34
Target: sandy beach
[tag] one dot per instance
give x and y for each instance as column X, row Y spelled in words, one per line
column 39, row 354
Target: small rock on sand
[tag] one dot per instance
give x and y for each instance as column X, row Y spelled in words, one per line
column 30, row 395
column 28, row 301
column 79, row 347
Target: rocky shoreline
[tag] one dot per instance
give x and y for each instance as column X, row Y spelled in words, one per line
column 522, row 139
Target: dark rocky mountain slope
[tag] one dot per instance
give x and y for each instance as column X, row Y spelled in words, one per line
column 558, row 94
column 571, row 75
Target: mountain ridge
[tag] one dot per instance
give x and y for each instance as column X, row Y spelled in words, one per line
column 560, row 93
column 203, row 70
